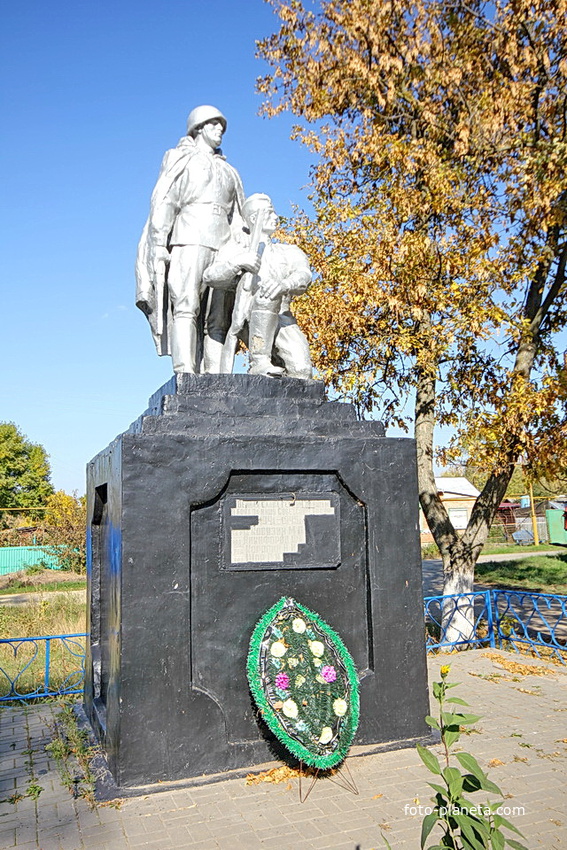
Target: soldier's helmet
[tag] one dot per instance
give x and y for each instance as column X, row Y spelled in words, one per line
column 202, row 115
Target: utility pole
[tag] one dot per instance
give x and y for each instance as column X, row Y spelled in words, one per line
column 534, row 518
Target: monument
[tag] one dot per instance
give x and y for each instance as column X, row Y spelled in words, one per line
column 232, row 491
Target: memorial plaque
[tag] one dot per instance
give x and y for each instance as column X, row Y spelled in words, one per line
column 281, row 531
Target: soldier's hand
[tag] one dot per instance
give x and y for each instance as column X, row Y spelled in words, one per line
column 272, row 289
column 248, row 261
column 159, row 254
column 144, row 306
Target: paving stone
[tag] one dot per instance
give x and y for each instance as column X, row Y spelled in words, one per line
column 135, row 826
column 105, row 832
column 334, row 842
column 146, row 841
column 98, row 844
column 242, row 841
column 25, row 831
column 7, row 836
column 201, row 845
column 230, row 815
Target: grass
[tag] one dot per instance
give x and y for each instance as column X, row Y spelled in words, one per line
column 537, row 573
column 61, row 615
column 430, row 550
column 32, row 580
column 514, row 549
column 21, row 587
column 57, row 616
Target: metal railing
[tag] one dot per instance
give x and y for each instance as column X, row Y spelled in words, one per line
column 34, row 667
column 506, row 619
column 473, row 612
column 534, row 619
column 54, row 665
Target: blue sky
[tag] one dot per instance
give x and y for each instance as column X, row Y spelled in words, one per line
column 92, row 95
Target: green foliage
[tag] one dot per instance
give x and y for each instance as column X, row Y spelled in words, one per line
column 430, row 551
column 24, row 471
column 33, row 789
column 34, row 569
column 54, row 616
column 66, row 519
column 466, row 825
column 519, row 482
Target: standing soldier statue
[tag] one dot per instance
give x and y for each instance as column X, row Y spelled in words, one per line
column 195, row 203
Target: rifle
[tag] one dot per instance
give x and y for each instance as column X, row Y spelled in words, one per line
column 159, row 283
column 242, row 300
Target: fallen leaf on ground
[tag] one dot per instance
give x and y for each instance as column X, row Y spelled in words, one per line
column 516, row 667
column 284, row 774
column 275, row 775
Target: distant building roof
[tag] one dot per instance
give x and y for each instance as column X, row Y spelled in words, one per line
column 456, row 487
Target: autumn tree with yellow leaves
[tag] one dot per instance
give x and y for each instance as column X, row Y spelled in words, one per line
column 66, row 527
column 438, row 227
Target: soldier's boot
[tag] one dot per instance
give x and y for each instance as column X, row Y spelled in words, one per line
column 262, row 331
column 184, row 344
column 212, row 356
column 218, row 320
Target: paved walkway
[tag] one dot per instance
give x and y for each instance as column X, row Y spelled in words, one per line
column 521, row 739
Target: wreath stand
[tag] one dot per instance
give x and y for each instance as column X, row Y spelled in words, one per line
column 342, row 778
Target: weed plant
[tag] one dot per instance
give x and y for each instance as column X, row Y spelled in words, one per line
column 466, row 825
column 73, row 753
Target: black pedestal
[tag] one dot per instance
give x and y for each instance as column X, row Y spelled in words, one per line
column 228, row 493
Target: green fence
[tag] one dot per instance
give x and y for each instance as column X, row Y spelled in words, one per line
column 14, row 558
column 556, row 526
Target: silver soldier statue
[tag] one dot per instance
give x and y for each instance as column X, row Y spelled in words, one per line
column 274, row 273
column 195, row 203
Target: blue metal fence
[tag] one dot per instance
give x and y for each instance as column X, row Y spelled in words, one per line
column 27, row 666
column 507, row 619
column 446, row 614
column 536, row 620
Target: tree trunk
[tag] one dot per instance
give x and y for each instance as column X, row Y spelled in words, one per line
column 459, row 554
column 458, row 572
